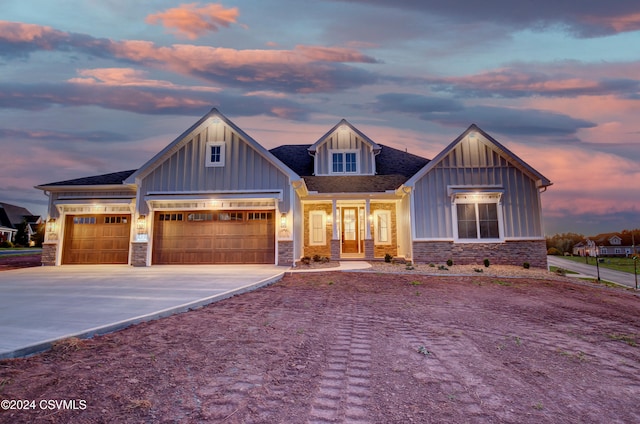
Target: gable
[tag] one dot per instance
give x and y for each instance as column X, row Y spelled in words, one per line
column 344, row 139
column 475, row 149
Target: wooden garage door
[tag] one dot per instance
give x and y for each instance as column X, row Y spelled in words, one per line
column 96, row 239
column 214, row 237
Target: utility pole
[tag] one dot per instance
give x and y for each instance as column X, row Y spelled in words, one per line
column 635, row 258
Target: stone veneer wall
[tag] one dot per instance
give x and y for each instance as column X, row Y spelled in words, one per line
column 285, row 253
column 380, row 250
column 49, row 251
column 335, row 250
column 317, row 250
column 139, row 253
column 507, row 253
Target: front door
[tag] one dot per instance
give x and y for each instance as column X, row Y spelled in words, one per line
column 350, row 230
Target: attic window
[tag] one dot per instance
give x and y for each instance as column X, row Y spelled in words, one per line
column 344, row 162
column 215, row 154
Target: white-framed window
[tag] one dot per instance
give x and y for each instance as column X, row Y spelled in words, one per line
column 477, row 217
column 215, row 153
column 317, row 228
column 618, row 251
column 382, row 227
column 344, row 161
column 603, row 250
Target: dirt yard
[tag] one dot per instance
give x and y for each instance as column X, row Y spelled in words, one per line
column 359, row 348
column 19, row 261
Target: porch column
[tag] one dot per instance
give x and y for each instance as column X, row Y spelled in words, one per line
column 367, row 225
column 334, row 213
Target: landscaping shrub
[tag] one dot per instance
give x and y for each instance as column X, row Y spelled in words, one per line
column 449, row 262
column 553, row 251
column 526, row 265
column 387, row 257
column 486, row 263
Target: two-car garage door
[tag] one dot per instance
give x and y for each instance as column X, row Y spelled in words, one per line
column 214, row 237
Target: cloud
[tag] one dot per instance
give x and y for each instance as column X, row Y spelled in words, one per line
column 304, row 69
column 129, row 77
column 144, row 100
column 192, row 20
column 585, row 18
column 511, row 121
column 513, row 83
column 48, row 135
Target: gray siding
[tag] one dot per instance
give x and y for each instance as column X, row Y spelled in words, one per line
column 184, row 170
column 476, row 163
column 81, row 197
column 344, row 140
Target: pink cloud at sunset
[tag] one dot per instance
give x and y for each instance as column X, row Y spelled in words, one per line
column 193, row 20
column 622, row 23
column 128, row 77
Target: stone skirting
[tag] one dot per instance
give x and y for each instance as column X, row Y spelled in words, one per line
column 285, row 253
column 49, row 251
column 368, row 249
column 508, row 253
column 335, row 250
column 139, row 253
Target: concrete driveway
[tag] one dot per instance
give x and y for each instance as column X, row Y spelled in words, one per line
column 41, row 305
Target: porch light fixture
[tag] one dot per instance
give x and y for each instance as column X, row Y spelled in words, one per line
column 283, row 220
column 141, row 224
column 329, row 219
column 52, row 225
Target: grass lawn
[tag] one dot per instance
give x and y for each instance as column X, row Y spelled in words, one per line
column 618, row 264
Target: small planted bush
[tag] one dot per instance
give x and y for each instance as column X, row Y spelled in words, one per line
column 388, row 257
column 526, row 265
column 305, row 260
column 449, row 262
column 486, row 263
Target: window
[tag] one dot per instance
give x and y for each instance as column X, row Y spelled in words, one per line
column 259, row 216
column 382, row 227
column 344, row 162
column 215, row 153
column 200, row 216
column 115, row 219
column 477, row 217
column 317, row 228
column 337, row 166
column 170, row 217
column 84, row 219
column 618, row 251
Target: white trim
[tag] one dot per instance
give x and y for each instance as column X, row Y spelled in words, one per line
column 343, row 152
column 475, row 198
column 223, row 149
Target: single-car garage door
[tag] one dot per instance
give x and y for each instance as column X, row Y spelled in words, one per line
column 214, row 237
column 96, row 239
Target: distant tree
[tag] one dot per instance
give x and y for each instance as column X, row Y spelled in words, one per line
column 22, row 235
column 38, row 237
column 564, row 242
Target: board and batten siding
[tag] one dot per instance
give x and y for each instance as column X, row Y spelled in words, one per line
column 470, row 163
column 344, row 140
column 245, row 169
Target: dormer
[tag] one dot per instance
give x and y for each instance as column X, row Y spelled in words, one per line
column 344, row 150
column 615, row 241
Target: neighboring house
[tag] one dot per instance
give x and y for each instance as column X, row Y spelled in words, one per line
column 11, row 217
column 608, row 244
column 215, row 195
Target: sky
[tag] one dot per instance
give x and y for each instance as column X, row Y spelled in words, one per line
column 96, row 86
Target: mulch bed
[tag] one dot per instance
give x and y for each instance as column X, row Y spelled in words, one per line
column 19, row 261
column 355, row 347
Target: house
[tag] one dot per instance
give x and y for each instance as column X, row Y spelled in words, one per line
column 608, row 244
column 215, row 195
column 11, row 217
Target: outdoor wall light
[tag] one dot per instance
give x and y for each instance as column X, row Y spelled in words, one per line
column 141, row 224
column 283, row 220
column 52, row 225
column 329, row 219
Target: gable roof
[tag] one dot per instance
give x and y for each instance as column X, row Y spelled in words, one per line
column 393, row 167
column 541, row 180
column 11, row 215
column 159, row 158
column 113, row 178
column 342, row 122
column 389, row 161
